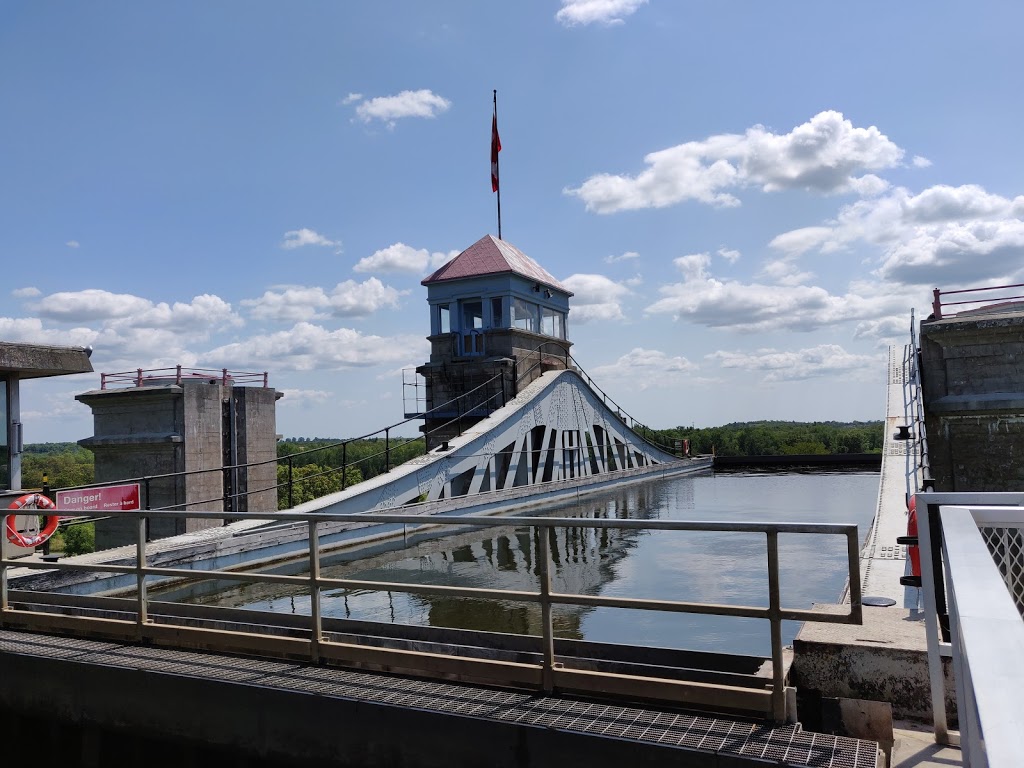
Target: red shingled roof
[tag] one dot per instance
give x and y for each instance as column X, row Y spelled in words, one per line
column 491, row 256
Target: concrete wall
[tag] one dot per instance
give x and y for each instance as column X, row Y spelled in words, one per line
column 167, row 428
column 972, row 370
column 256, row 434
column 138, row 432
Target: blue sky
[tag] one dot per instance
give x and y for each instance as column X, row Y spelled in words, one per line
column 747, row 198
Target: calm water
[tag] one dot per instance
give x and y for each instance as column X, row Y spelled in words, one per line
column 702, row 567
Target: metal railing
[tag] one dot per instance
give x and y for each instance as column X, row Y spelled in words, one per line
column 938, row 303
column 971, row 618
column 642, row 430
column 140, row 377
column 150, row 625
column 918, row 470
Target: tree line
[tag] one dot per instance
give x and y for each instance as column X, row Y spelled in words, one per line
column 779, row 438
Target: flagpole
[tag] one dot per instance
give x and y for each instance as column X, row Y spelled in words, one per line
column 494, row 138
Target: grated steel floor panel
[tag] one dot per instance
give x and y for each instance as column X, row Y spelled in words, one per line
column 784, row 745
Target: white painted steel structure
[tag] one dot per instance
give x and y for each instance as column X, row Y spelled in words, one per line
column 980, row 538
column 558, row 430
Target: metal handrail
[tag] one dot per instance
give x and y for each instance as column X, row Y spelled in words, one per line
column 136, row 377
column 629, row 421
column 918, row 470
column 938, row 304
column 935, row 512
column 547, row 675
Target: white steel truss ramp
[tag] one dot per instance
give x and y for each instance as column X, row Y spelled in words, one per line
column 556, row 438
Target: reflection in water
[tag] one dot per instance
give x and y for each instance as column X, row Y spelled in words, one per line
column 674, row 565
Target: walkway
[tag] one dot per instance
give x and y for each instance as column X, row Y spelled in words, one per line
column 301, row 711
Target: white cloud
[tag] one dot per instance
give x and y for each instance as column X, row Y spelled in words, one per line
column 30, row 330
column 596, row 298
column 775, row 365
column 627, row 256
column 388, row 109
column 308, row 347
column 608, row 12
column 693, row 266
column 944, row 234
column 352, row 98
column 347, row 299
column 60, row 405
column 297, row 238
column 784, row 272
column 288, row 304
column 304, row 398
column 352, row 299
column 921, row 162
column 203, row 314
column 120, row 310
column 893, row 328
column 403, row 258
column 29, row 292
column 647, row 368
column 729, row 254
column 72, row 243
column 749, row 307
column 827, row 154
column 91, row 305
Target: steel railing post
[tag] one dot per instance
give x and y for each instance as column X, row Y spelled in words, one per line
column 547, row 627
column 291, row 483
column 316, row 630
column 774, row 615
column 142, row 615
column 344, row 464
column 3, row 573
column 853, row 565
column 387, row 449
column 937, row 303
column 149, row 502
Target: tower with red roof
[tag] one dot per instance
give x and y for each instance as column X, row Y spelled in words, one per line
column 497, row 321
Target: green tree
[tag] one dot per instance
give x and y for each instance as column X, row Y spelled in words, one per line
column 79, row 538
column 311, row 481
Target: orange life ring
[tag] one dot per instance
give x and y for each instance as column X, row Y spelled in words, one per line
column 36, row 501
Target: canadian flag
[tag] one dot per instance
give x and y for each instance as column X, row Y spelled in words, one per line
column 495, row 149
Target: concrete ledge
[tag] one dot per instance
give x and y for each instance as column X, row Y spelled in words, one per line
column 884, row 659
column 984, row 403
column 32, row 361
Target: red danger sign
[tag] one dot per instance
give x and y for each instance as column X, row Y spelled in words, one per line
column 112, row 497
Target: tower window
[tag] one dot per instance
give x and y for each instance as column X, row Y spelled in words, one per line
column 552, row 323
column 524, row 315
column 444, row 319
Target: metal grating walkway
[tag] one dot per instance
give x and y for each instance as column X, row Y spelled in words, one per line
column 784, row 746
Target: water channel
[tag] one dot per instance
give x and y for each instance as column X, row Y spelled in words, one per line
column 713, row 567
